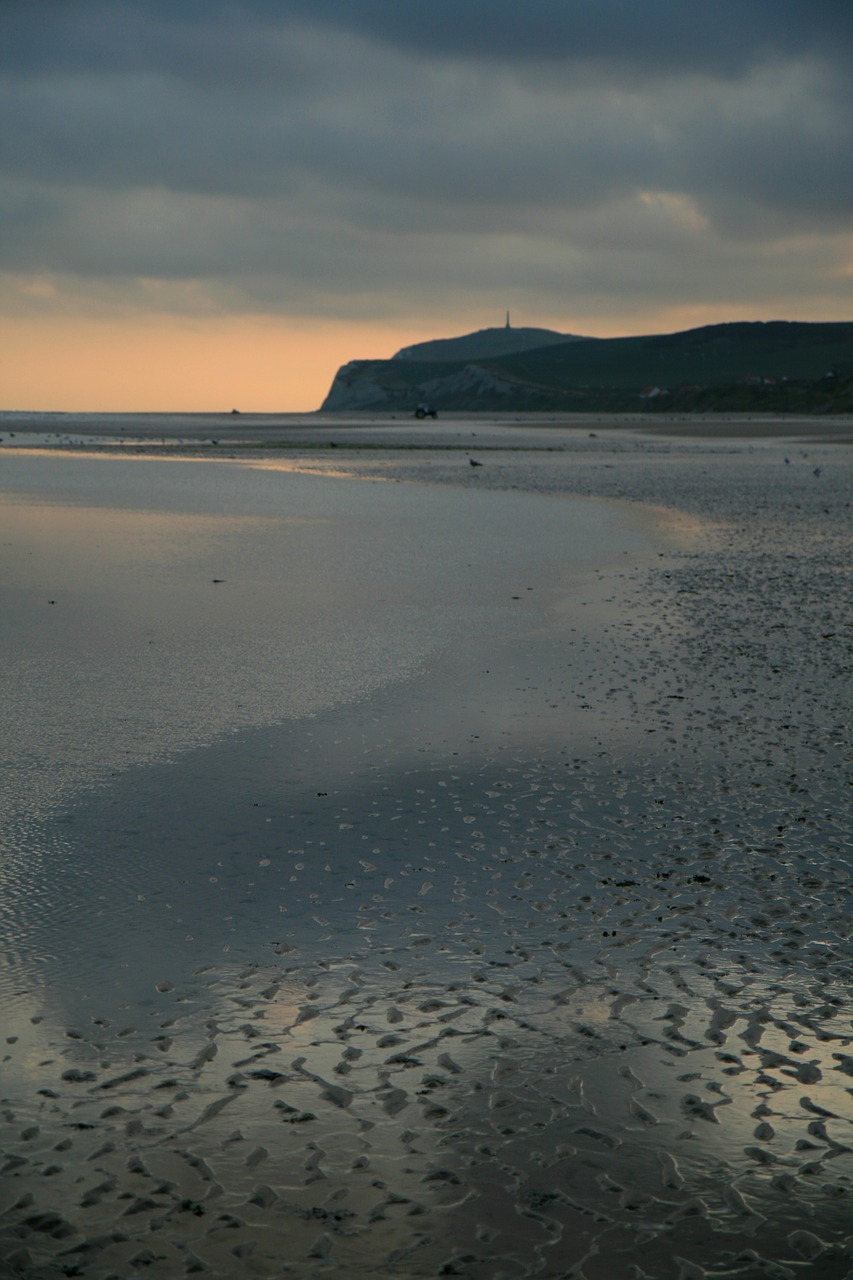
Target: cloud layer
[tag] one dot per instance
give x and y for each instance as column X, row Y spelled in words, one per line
column 604, row 161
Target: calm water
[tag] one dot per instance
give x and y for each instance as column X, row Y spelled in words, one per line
column 153, row 608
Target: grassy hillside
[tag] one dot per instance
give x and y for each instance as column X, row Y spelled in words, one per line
column 714, row 355
column 485, row 344
column 779, row 366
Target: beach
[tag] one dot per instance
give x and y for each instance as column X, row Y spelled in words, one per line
column 426, row 850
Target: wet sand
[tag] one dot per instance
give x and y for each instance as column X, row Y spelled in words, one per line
column 225, row 433
column 534, row 961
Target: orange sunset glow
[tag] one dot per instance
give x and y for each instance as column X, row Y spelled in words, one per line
column 206, row 207
column 257, row 364
column 164, row 364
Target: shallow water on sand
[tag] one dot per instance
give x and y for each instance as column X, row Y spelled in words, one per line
column 406, row 919
column 153, row 608
column 151, row 605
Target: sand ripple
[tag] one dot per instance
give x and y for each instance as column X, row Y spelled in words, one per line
column 514, row 1002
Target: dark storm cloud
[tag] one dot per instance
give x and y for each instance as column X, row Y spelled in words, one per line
column 654, row 35
column 280, row 148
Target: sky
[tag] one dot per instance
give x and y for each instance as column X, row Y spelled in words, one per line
column 209, row 204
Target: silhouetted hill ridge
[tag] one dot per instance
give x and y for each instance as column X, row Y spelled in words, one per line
column 744, row 364
column 485, row 344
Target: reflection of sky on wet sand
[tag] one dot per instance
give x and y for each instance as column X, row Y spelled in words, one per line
column 496, row 1117
column 335, row 831
column 215, row 598
column 191, row 599
column 483, row 956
